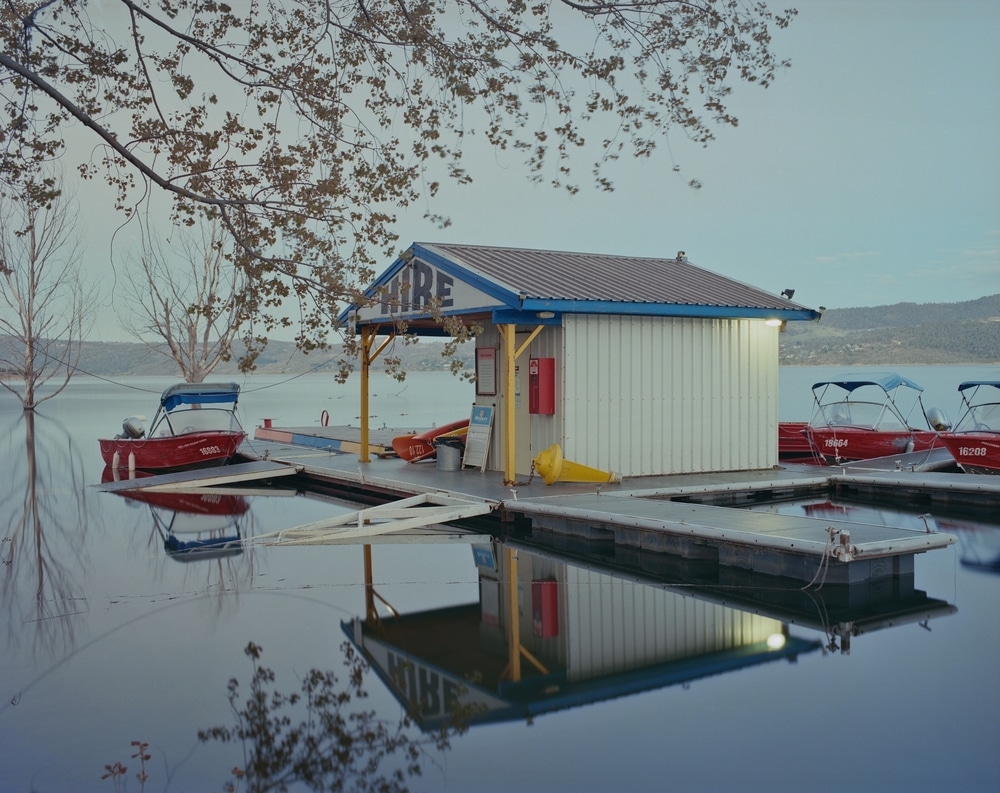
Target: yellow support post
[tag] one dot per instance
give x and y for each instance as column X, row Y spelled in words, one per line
column 370, row 613
column 368, row 335
column 509, row 450
column 511, row 354
column 513, row 619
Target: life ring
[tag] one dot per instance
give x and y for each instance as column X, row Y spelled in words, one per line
column 324, row 418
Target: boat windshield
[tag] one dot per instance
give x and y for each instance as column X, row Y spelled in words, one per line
column 196, row 418
column 982, row 408
column 863, row 404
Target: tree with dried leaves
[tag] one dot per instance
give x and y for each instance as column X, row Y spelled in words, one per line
column 45, row 307
column 180, row 300
column 303, row 126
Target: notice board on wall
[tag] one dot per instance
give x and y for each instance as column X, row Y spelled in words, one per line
column 477, row 441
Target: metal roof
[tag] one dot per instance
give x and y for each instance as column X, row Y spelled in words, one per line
column 558, row 275
column 521, row 284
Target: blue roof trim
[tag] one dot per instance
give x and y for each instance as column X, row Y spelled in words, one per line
column 507, row 316
column 667, row 310
column 887, row 382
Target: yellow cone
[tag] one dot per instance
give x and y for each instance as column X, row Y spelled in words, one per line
column 553, row 468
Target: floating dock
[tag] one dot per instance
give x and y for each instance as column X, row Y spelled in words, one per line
column 688, row 516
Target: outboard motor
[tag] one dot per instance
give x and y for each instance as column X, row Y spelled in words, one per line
column 938, row 420
column 132, row 428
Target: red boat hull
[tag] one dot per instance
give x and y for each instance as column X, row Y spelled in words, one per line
column 793, row 445
column 975, row 452
column 173, row 453
column 837, row 445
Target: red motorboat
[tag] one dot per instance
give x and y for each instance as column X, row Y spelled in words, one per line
column 195, row 426
column 975, row 440
column 867, row 416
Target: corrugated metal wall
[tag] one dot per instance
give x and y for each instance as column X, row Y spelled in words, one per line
column 612, row 625
column 649, row 396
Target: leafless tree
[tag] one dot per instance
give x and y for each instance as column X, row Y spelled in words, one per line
column 45, row 307
column 182, row 299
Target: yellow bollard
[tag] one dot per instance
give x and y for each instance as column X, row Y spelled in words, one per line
column 553, row 468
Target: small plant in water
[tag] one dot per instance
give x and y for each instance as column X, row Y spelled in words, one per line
column 116, row 771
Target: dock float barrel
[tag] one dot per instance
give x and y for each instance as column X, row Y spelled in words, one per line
column 553, row 468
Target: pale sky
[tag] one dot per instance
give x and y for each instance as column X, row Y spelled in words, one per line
column 867, row 174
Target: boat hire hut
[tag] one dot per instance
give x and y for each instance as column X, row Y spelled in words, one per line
column 632, row 365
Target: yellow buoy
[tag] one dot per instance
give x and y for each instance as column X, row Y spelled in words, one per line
column 553, row 468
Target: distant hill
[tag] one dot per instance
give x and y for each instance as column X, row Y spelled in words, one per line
column 898, row 334
column 903, row 334
column 120, row 359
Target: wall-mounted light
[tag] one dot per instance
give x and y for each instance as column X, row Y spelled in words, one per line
column 773, row 323
column 545, row 314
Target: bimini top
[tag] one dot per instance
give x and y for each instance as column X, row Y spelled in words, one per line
column 887, row 382
column 973, row 383
column 521, row 285
column 199, row 394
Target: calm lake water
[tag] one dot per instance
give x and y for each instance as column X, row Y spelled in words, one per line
column 108, row 639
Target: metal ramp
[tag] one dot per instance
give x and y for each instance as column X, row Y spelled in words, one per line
column 201, row 478
column 416, row 512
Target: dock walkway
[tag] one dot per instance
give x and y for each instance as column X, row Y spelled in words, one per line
column 677, row 514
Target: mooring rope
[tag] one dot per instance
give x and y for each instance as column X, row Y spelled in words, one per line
column 824, row 562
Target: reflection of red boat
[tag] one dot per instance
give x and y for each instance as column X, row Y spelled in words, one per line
column 420, row 446
column 204, row 503
column 194, row 426
column 862, row 418
column 975, row 441
column 208, row 523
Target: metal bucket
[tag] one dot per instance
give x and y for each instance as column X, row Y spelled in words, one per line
column 449, row 454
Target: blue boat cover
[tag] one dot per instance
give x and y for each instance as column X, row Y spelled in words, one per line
column 973, row 383
column 199, row 394
column 887, row 382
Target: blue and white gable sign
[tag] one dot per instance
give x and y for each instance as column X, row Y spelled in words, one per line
column 417, row 287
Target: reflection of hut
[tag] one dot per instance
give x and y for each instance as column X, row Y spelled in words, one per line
column 635, row 365
column 978, row 543
column 455, row 663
